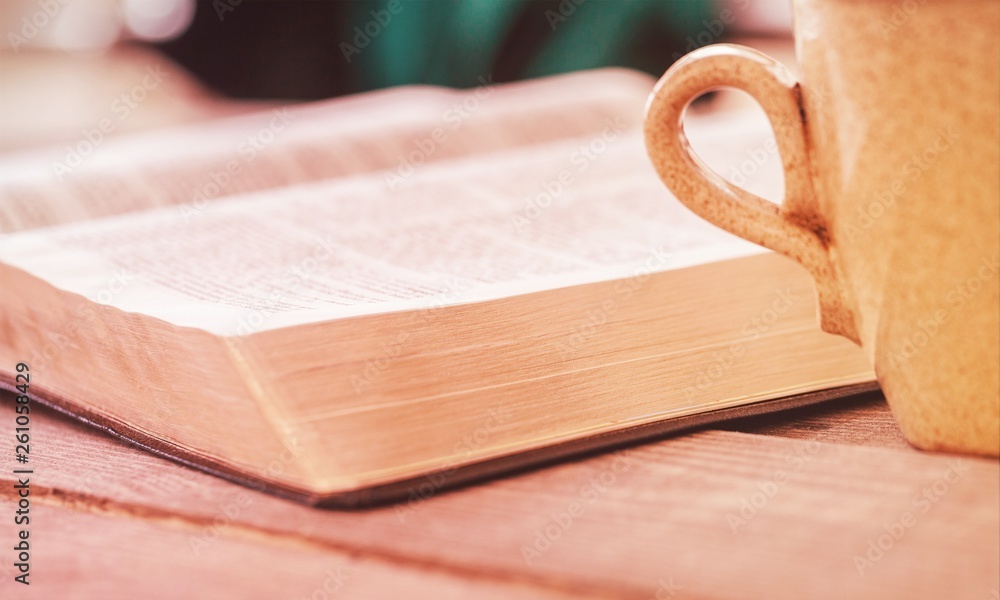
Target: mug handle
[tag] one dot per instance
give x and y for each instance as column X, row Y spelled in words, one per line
column 796, row 228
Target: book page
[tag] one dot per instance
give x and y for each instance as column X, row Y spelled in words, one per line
column 567, row 213
column 393, row 132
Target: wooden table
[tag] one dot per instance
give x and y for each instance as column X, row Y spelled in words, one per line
column 822, row 502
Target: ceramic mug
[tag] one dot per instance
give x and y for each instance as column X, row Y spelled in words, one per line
column 890, row 143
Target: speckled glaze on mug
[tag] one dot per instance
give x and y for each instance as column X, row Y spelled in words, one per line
column 891, row 149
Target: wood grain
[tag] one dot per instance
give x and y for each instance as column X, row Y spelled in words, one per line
column 648, row 520
column 106, row 554
column 861, row 420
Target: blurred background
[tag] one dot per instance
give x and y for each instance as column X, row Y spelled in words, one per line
column 65, row 61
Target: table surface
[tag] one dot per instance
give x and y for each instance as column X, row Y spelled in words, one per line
column 826, row 501
column 821, row 502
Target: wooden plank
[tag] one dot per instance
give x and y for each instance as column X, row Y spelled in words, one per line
column 106, row 555
column 862, row 420
column 714, row 514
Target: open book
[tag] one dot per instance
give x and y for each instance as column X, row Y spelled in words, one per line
column 375, row 297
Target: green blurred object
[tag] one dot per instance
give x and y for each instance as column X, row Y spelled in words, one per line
column 455, row 42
